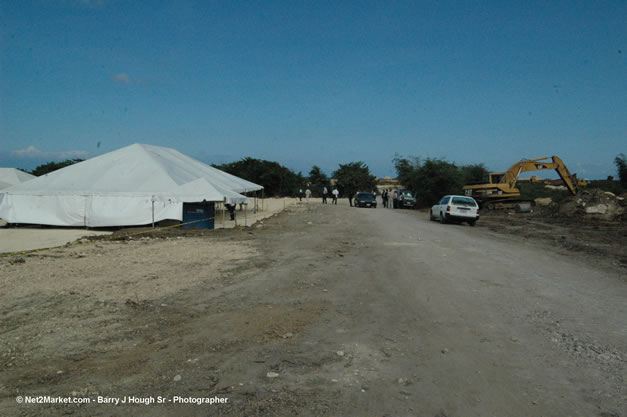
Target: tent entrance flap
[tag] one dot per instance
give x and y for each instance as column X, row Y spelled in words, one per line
column 201, row 215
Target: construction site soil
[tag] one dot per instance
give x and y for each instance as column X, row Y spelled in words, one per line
column 600, row 240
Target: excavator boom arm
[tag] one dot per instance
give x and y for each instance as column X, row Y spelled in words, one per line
column 503, row 184
column 569, row 180
column 511, row 175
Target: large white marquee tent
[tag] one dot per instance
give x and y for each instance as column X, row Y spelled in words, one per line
column 11, row 176
column 134, row 185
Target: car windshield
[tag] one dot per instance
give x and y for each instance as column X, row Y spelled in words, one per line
column 365, row 196
column 464, row 201
column 407, row 194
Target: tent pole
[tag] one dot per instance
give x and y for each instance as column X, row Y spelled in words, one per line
column 223, row 207
column 153, row 211
column 245, row 216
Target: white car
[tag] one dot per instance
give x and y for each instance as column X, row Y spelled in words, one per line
column 455, row 208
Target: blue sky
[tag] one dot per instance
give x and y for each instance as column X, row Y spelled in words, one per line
column 316, row 82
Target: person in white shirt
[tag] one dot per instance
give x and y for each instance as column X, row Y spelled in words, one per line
column 335, row 193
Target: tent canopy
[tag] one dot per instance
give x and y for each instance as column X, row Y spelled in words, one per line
column 13, row 176
column 123, row 187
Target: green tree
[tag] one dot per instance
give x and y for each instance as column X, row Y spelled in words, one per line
column 474, row 173
column 435, row 178
column 405, row 168
column 317, row 180
column 432, row 178
column 53, row 166
column 276, row 179
column 354, row 177
column 621, row 165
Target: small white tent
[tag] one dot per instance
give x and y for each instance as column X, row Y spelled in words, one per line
column 134, row 185
column 12, row 176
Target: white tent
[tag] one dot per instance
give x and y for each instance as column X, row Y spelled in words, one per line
column 134, row 185
column 12, row 176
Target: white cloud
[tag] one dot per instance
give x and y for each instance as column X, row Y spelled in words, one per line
column 121, row 77
column 32, row 152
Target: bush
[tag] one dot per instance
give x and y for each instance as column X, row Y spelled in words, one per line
column 474, row 174
column 434, row 178
column 531, row 191
column 621, row 165
column 607, row 185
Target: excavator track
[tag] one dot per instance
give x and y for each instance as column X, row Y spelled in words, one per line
column 520, row 206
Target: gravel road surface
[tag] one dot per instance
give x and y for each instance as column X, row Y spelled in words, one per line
column 333, row 311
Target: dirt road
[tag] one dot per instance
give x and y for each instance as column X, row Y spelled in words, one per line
column 320, row 311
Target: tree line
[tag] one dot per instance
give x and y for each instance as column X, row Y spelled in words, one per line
column 49, row 167
column 429, row 178
column 279, row 181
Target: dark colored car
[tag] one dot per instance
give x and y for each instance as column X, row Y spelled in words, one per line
column 366, row 200
column 406, row 199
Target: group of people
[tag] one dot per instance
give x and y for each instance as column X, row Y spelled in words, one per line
column 385, row 196
column 334, row 194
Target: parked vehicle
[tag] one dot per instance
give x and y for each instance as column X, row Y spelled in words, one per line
column 366, row 199
column 455, row 208
column 406, row 199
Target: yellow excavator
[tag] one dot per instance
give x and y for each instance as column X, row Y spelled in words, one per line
column 500, row 191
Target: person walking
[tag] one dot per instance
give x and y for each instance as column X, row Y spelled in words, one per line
column 324, row 195
column 335, row 193
column 395, row 199
column 384, row 197
column 307, row 194
column 300, row 194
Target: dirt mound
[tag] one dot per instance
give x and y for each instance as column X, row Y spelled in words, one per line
column 594, row 204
